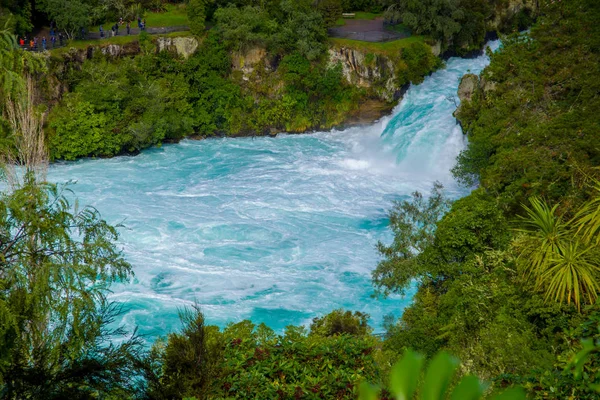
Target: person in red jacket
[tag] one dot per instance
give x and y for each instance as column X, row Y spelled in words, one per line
column 22, row 42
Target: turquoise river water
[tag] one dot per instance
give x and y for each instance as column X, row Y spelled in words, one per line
column 278, row 230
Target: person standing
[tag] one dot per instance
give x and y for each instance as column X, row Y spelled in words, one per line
column 22, row 42
column 101, row 32
column 53, row 40
column 35, row 43
column 117, row 29
column 31, row 44
column 60, row 38
column 144, row 24
column 44, row 43
column 128, row 28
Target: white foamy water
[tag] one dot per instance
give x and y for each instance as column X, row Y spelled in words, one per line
column 279, row 230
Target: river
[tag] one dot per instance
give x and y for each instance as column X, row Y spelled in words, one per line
column 278, row 230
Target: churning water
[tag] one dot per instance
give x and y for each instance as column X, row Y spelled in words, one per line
column 278, row 230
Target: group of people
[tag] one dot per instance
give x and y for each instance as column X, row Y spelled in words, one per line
column 57, row 39
column 114, row 30
column 36, row 43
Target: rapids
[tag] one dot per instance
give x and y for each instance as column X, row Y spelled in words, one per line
column 278, row 230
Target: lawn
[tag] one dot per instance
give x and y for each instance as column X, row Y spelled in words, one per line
column 388, row 48
column 175, row 15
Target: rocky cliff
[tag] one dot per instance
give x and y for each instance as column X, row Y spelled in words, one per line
column 508, row 10
column 472, row 86
column 256, row 71
column 367, row 70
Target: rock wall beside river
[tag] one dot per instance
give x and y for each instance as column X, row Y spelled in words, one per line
column 367, row 70
column 255, row 70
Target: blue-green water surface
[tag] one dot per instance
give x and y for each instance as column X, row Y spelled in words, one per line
column 278, row 230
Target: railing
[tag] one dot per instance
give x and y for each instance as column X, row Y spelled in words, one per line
column 40, row 46
column 136, row 31
column 107, row 34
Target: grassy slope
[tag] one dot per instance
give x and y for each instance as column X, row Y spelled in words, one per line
column 388, row 48
column 174, row 16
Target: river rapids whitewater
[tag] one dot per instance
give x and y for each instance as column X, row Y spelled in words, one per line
column 277, row 230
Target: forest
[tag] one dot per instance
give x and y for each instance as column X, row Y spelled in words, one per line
column 507, row 277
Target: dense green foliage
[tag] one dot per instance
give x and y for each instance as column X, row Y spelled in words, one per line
column 56, row 265
column 461, row 25
column 245, row 359
column 437, row 384
column 504, row 269
column 196, row 10
column 340, row 322
column 128, row 104
column 536, row 133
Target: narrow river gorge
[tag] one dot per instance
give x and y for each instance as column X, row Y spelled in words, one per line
column 278, row 230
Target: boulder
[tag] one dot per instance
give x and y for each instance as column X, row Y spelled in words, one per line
column 184, row 46
column 467, row 87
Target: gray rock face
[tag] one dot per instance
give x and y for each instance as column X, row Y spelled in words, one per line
column 366, row 70
column 247, row 61
column 508, row 9
column 184, row 46
column 467, row 87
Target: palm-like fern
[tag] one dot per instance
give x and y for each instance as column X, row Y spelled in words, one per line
column 561, row 256
column 587, row 220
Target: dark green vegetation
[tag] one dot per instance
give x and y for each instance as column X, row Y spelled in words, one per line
column 129, row 104
column 460, row 25
column 437, row 383
column 246, row 359
column 508, row 277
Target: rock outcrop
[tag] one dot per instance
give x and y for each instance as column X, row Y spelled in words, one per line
column 466, row 88
column 509, row 9
column 184, row 46
column 247, row 61
column 471, row 85
column 367, row 70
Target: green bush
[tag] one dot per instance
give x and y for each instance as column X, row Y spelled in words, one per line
column 406, row 381
column 247, row 360
column 196, row 15
column 340, row 322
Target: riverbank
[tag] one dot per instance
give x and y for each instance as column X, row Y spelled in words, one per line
column 110, row 99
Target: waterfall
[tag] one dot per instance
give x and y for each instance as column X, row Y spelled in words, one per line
column 279, row 230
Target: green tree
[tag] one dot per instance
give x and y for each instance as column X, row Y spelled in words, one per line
column 340, row 322
column 331, row 10
column 196, row 10
column 56, row 264
column 188, row 363
column 413, row 223
column 69, row 15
